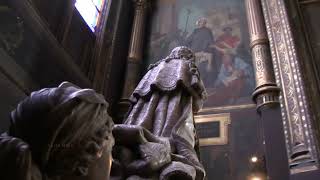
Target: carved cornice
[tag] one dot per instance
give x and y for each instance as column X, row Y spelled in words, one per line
column 295, row 113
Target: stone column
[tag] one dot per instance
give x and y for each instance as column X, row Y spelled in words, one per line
column 266, row 94
column 266, row 91
column 296, row 116
column 136, row 48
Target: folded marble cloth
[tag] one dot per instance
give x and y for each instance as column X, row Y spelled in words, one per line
column 164, row 139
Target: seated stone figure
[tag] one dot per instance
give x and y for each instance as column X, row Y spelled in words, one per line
column 58, row 133
column 157, row 139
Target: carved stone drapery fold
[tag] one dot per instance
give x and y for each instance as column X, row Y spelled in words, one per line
column 301, row 145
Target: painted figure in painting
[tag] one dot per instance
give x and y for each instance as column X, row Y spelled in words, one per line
column 201, row 38
column 234, row 76
column 227, row 40
column 234, row 73
column 200, row 42
column 214, row 30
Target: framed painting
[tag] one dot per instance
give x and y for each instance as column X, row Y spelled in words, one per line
column 213, row 129
column 216, row 30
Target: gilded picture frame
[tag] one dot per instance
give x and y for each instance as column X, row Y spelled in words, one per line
column 224, row 120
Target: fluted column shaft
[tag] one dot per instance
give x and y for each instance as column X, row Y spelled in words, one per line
column 266, row 94
column 266, row 91
column 136, row 48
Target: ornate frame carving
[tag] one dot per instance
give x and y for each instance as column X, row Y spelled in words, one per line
column 224, row 120
column 227, row 108
column 301, row 145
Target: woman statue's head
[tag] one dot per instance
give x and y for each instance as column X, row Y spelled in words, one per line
column 67, row 129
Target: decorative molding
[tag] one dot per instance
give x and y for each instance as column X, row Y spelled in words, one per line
column 263, row 65
column 224, row 120
column 227, row 108
column 309, row 1
column 301, row 146
column 267, row 96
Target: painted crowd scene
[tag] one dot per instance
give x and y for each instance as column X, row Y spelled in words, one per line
column 216, row 31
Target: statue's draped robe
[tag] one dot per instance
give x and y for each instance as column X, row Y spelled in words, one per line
column 163, row 104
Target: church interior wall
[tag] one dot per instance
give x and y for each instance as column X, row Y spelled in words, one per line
column 229, row 159
column 31, row 56
column 50, row 47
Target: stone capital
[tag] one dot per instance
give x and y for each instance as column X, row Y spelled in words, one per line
column 141, row 3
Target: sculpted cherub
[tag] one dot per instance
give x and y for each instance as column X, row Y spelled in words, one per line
column 58, row 133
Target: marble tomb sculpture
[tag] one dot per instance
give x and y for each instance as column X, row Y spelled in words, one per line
column 66, row 133
column 58, row 133
column 158, row 139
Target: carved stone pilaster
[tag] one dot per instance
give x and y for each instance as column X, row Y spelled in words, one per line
column 136, row 47
column 296, row 117
column 137, row 36
column 266, row 91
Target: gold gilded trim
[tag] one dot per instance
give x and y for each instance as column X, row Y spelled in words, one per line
column 227, row 108
column 224, row 120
